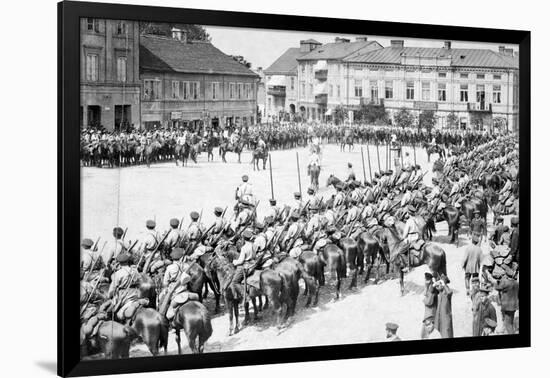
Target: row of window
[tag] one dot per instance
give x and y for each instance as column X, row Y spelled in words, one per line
column 190, row 90
column 93, row 25
column 92, row 68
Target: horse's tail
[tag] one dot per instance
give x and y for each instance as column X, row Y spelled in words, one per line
column 164, row 329
column 443, row 263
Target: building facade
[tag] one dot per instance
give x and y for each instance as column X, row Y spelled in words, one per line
column 322, row 76
column 478, row 87
column 109, row 73
column 192, row 83
column 282, row 81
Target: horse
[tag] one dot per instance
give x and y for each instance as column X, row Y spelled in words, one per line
column 430, row 254
column 150, row 152
column 347, row 140
column 153, row 328
column 434, row 149
column 200, row 280
column 333, row 258
column 313, row 171
column 369, row 243
column 194, row 319
column 257, row 154
column 229, row 147
column 112, row 338
column 313, row 277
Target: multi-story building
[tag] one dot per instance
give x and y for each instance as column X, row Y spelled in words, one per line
column 282, row 80
column 322, row 75
column 192, row 82
column 479, row 86
column 261, row 94
column 109, row 73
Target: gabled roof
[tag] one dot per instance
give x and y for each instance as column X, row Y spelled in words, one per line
column 169, row 55
column 311, row 41
column 338, row 50
column 286, row 63
column 459, row 57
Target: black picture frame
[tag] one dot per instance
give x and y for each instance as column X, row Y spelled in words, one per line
column 69, row 363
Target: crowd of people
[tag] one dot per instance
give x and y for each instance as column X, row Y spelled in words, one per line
column 388, row 220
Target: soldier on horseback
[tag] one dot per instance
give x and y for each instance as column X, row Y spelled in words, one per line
column 244, row 262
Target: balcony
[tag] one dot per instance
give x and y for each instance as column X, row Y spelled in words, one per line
column 276, row 91
column 480, row 107
column 363, row 101
column 321, row 74
column 321, row 99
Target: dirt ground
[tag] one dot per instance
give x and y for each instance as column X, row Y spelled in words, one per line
column 131, row 195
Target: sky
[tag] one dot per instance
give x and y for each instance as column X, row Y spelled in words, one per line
column 262, row 47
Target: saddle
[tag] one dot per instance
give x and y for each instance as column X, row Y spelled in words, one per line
column 416, row 247
column 254, row 279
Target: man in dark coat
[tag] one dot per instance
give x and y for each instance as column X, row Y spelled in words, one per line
column 444, row 313
column 514, row 239
column 482, row 309
column 430, row 300
column 499, row 229
column 508, row 289
column 471, row 262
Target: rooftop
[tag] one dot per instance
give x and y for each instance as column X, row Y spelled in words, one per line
column 339, row 50
column 286, row 63
column 170, row 55
column 459, row 57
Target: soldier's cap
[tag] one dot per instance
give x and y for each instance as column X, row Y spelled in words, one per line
column 389, row 172
column 310, row 191
column 313, row 208
column 485, row 289
column 87, row 243
column 259, row 225
column 118, row 232
column 297, row 195
column 177, row 253
column 174, row 222
column 392, row 326
column 417, row 166
column 349, row 165
column 247, row 234
column 272, row 201
column 476, row 211
column 374, row 181
column 429, row 318
column 506, row 229
column 411, row 208
column 194, row 215
column 331, row 229
column 377, row 175
column 340, row 186
column 514, row 221
column 295, row 215
column 245, row 178
column 150, row 224
column 123, row 257
column 509, row 271
column 490, row 323
column 298, row 243
column 499, row 218
column 321, row 243
column 269, row 219
column 218, row 210
column 428, row 275
column 475, row 279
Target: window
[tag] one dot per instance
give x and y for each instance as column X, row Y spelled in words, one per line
column 389, row 89
column 425, row 91
column 215, row 91
column 330, row 90
column 311, row 89
column 480, row 93
column 231, row 90
column 194, row 90
column 338, row 91
column 239, row 90
column 496, row 94
column 358, row 88
column 292, row 83
column 93, row 25
column 175, row 89
column 497, row 77
column 463, row 92
column 463, row 75
column 185, row 90
column 302, row 89
column 121, row 69
column 303, row 68
column 480, row 76
column 442, row 75
column 410, row 90
column 151, row 89
column 92, row 68
column 121, row 28
column 374, row 89
column 442, row 92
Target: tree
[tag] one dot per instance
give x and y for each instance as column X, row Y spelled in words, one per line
column 373, row 114
column 452, row 120
column 194, row 32
column 242, row 60
column 427, row 120
column 339, row 114
column 404, row 118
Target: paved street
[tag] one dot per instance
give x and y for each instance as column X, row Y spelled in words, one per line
column 129, row 196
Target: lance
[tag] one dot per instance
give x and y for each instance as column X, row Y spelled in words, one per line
column 414, row 152
column 388, row 156
column 378, row 156
column 368, row 158
column 401, row 157
column 124, row 234
column 271, row 177
column 94, row 263
column 298, row 168
column 363, row 163
column 92, row 292
column 94, row 247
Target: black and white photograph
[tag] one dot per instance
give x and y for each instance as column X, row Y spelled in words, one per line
column 246, row 189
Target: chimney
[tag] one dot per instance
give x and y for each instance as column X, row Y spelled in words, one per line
column 361, row 39
column 501, row 49
column 341, row 40
column 308, row 45
column 180, row 35
column 397, row 43
column 447, row 45
column 509, row 52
